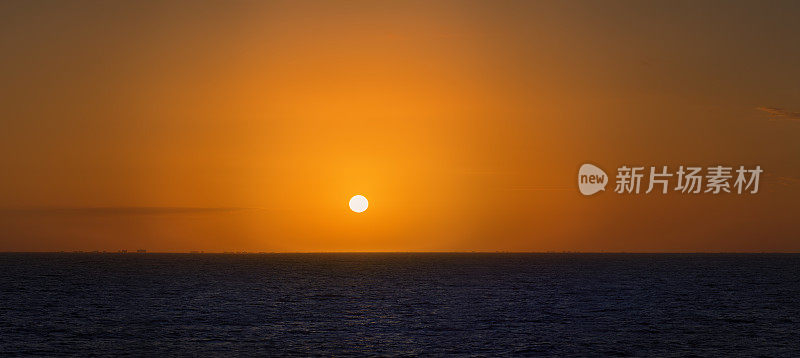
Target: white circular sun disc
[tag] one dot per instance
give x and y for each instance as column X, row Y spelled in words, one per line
column 358, row 203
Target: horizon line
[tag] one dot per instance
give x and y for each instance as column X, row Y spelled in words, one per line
column 199, row 252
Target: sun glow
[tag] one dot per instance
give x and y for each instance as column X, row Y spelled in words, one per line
column 358, row 203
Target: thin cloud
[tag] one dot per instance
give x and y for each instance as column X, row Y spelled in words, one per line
column 780, row 113
column 540, row 188
column 120, row 210
column 788, row 181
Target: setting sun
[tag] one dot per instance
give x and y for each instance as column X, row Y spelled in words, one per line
column 358, row 203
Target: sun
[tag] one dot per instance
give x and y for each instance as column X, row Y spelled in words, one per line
column 358, row 203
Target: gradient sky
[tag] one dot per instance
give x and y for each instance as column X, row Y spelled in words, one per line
column 232, row 126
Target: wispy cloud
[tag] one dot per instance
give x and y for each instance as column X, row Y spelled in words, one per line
column 788, row 181
column 119, row 210
column 780, row 113
column 540, row 188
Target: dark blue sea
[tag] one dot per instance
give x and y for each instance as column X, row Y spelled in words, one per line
column 400, row 305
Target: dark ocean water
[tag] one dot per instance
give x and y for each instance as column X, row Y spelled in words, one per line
column 400, row 304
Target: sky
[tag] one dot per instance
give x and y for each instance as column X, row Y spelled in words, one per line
column 248, row 125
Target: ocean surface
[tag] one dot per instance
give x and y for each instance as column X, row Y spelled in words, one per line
column 400, row 304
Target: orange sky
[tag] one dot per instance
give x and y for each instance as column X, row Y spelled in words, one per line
column 247, row 126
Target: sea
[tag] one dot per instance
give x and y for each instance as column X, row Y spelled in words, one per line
column 399, row 304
